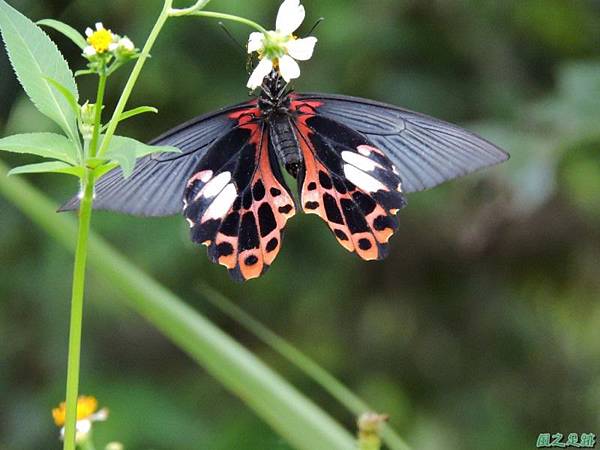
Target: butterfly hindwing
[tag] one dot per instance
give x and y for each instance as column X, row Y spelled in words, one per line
column 350, row 184
column 237, row 203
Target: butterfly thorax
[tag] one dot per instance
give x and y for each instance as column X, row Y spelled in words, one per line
column 274, row 103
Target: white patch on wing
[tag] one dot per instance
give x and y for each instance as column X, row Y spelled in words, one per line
column 214, row 186
column 221, row 204
column 364, row 150
column 362, row 180
column 203, row 176
column 359, row 161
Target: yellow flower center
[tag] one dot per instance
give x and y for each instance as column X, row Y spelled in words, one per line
column 86, row 406
column 100, row 40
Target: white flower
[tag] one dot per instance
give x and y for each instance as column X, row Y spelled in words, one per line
column 280, row 49
column 123, row 45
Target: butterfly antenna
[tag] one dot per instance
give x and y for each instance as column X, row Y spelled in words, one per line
column 237, row 43
column 315, row 26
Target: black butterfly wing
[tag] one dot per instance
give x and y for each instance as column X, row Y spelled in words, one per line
column 426, row 151
column 158, row 181
column 348, row 182
column 236, row 201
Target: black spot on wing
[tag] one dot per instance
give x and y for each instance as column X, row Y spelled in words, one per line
column 258, row 191
column 272, row 245
column 266, row 219
column 231, row 224
column 365, row 202
column 331, row 209
column 248, row 236
column 355, row 220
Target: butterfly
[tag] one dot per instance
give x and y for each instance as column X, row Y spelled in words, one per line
column 354, row 161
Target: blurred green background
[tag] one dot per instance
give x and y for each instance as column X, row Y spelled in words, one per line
column 482, row 328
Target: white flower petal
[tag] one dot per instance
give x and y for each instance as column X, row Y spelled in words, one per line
column 255, row 41
column 288, row 68
column 99, row 26
column 126, row 44
column 89, row 51
column 263, row 69
column 89, row 31
column 302, row 49
column 290, row 16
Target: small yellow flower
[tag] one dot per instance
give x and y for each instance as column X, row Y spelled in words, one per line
column 99, row 40
column 86, row 406
column 87, row 413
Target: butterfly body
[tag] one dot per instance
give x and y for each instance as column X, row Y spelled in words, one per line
column 354, row 160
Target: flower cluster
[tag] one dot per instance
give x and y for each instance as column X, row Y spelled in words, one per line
column 280, row 49
column 87, row 413
column 103, row 42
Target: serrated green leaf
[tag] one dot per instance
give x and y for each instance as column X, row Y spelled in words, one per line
column 48, row 167
column 125, row 151
column 68, row 95
column 34, row 56
column 66, row 30
column 46, row 145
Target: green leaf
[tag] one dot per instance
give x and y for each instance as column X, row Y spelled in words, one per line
column 308, row 366
column 68, row 95
column 49, row 167
column 66, row 30
column 295, row 417
column 34, row 56
column 125, row 151
column 137, row 111
column 46, row 145
column 134, row 112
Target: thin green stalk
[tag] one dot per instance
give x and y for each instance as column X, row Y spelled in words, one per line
column 135, row 73
column 85, row 216
column 218, row 15
column 297, row 419
column 175, row 12
column 98, row 118
column 308, row 366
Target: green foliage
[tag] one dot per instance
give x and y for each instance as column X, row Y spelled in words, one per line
column 66, row 30
column 34, row 58
column 125, row 151
column 46, row 145
column 48, row 167
column 295, row 417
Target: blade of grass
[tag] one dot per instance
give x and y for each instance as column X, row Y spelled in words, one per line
column 297, row 419
column 305, row 364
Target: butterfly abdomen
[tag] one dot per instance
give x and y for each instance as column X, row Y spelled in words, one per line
column 286, row 145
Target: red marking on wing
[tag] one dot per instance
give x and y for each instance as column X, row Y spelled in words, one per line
column 365, row 232
column 247, row 238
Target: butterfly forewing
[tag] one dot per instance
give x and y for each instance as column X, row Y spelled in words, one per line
column 158, row 181
column 237, row 203
column 349, row 183
column 426, row 151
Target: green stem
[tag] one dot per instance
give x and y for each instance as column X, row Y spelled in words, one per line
column 114, row 121
column 218, row 15
column 174, row 12
column 98, row 118
column 85, row 215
